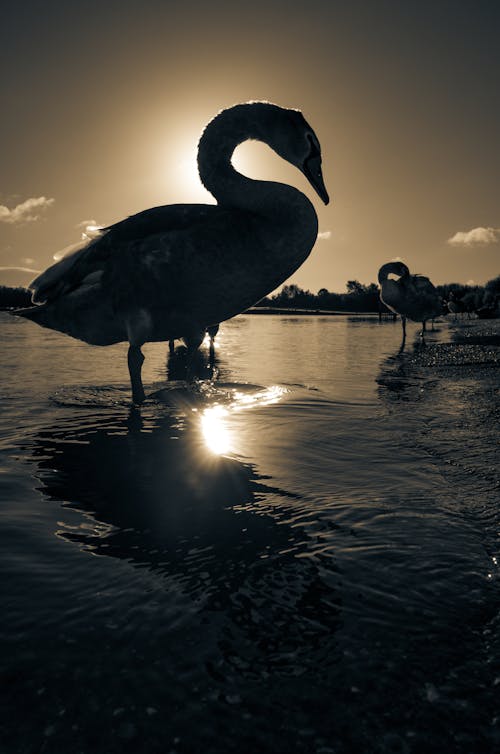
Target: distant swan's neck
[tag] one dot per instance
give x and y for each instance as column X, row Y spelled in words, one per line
column 392, row 267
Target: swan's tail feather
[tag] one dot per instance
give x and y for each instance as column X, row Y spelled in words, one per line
column 52, row 280
column 39, row 314
column 83, row 318
column 68, row 272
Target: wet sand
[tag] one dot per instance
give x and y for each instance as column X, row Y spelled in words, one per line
column 466, row 386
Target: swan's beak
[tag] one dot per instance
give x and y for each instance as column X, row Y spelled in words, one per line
column 312, row 171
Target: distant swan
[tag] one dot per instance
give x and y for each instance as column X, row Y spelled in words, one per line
column 412, row 296
column 170, row 271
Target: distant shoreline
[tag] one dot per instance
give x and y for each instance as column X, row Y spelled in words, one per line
column 301, row 312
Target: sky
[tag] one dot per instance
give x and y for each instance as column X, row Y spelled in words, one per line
column 103, row 104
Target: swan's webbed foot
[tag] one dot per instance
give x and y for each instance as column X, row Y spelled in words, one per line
column 135, row 361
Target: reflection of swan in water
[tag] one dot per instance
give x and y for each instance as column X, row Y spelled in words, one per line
column 153, row 496
column 412, row 296
column 168, row 272
column 155, row 490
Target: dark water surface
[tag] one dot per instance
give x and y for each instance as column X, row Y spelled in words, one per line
column 269, row 559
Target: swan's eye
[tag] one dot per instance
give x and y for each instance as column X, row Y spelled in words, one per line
column 314, row 150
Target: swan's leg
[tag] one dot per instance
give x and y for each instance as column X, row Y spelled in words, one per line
column 138, row 324
column 135, row 362
column 171, row 346
column 193, row 341
column 212, row 332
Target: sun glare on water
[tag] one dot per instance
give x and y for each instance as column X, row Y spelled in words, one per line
column 218, row 438
column 215, row 432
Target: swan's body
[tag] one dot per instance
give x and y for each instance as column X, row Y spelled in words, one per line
column 170, row 271
column 412, row 296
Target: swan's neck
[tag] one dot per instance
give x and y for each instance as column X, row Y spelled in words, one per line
column 391, row 267
column 217, row 144
column 287, row 223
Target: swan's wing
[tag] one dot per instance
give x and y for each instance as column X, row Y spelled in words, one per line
column 425, row 289
column 88, row 262
column 68, row 272
column 174, row 264
column 423, row 284
column 421, row 298
column 171, row 217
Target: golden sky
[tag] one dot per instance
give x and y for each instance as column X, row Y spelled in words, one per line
column 103, row 104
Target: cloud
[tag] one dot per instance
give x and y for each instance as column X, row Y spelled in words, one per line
column 26, row 212
column 324, row 235
column 475, row 236
column 85, row 223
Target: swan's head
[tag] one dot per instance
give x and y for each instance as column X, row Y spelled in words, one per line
column 392, row 268
column 311, row 166
column 291, row 136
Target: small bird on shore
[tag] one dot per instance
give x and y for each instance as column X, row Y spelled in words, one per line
column 166, row 272
column 411, row 296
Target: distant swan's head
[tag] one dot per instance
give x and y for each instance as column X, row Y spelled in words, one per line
column 392, row 268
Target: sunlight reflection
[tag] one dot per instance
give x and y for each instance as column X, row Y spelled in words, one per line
column 215, row 432
column 218, row 438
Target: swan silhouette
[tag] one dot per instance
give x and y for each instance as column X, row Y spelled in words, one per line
column 169, row 272
column 412, row 296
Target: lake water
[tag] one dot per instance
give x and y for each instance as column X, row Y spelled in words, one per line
column 267, row 559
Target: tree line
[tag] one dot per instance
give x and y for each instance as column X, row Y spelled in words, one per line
column 14, row 298
column 357, row 297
